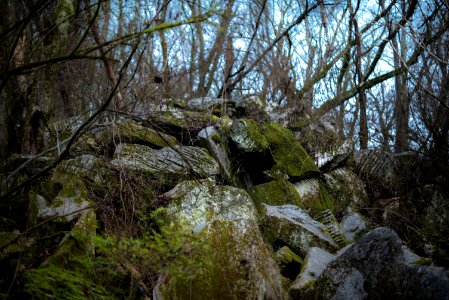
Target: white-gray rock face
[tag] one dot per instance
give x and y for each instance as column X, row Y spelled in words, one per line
column 179, row 160
column 294, row 227
column 247, row 136
column 197, row 203
column 352, row 226
column 314, row 264
column 68, row 204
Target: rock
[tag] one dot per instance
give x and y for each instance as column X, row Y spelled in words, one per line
column 70, row 202
column 276, row 192
column 79, row 241
column 314, row 196
column 205, row 103
column 314, row 264
column 288, row 261
column 179, row 122
column 216, row 143
column 291, row 226
column 289, row 155
column 237, row 263
column 85, row 166
column 347, row 189
column 199, row 202
column 375, row 268
column 248, row 137
column 131, row 132
column 180, row 160
column 250, row 106
column 279, row 154
column 353, row 226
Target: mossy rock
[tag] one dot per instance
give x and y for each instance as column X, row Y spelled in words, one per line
column 247, row 136
column 227, row 262
column 289, row 155
column 346, row 189
column 314, row 195
column 230, row 249
column 174, row 163
column 288, row 261
column 84, row 166
column 276, row 192
column 134, row 133
column 180, row 123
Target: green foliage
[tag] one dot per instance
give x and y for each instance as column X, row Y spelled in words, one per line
column 52, row 281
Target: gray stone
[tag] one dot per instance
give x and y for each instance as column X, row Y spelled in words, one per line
column 295, row 228
column 353, row 226
column 204, row 103
column 215, row 142
column 314, row 264
column 346, row 188
column 380, row 260
column 179, row 160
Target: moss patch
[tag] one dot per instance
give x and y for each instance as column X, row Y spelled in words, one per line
column 290, row 156
column 133, row 132
column 277, row 192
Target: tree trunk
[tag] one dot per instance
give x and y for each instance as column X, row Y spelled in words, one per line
column 402, row 103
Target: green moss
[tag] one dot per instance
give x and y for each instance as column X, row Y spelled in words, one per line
column 326, row 200
column 53, row 281
column 248, row 136
column 289, row 155
column 277, row 192
column 289, row 262
column 220, row 269
column 138, row 133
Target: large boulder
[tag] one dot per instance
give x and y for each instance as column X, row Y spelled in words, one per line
column 270, row 149
column 291, row 226
column 179, row 161
column 375, row 268
column 238, row 263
